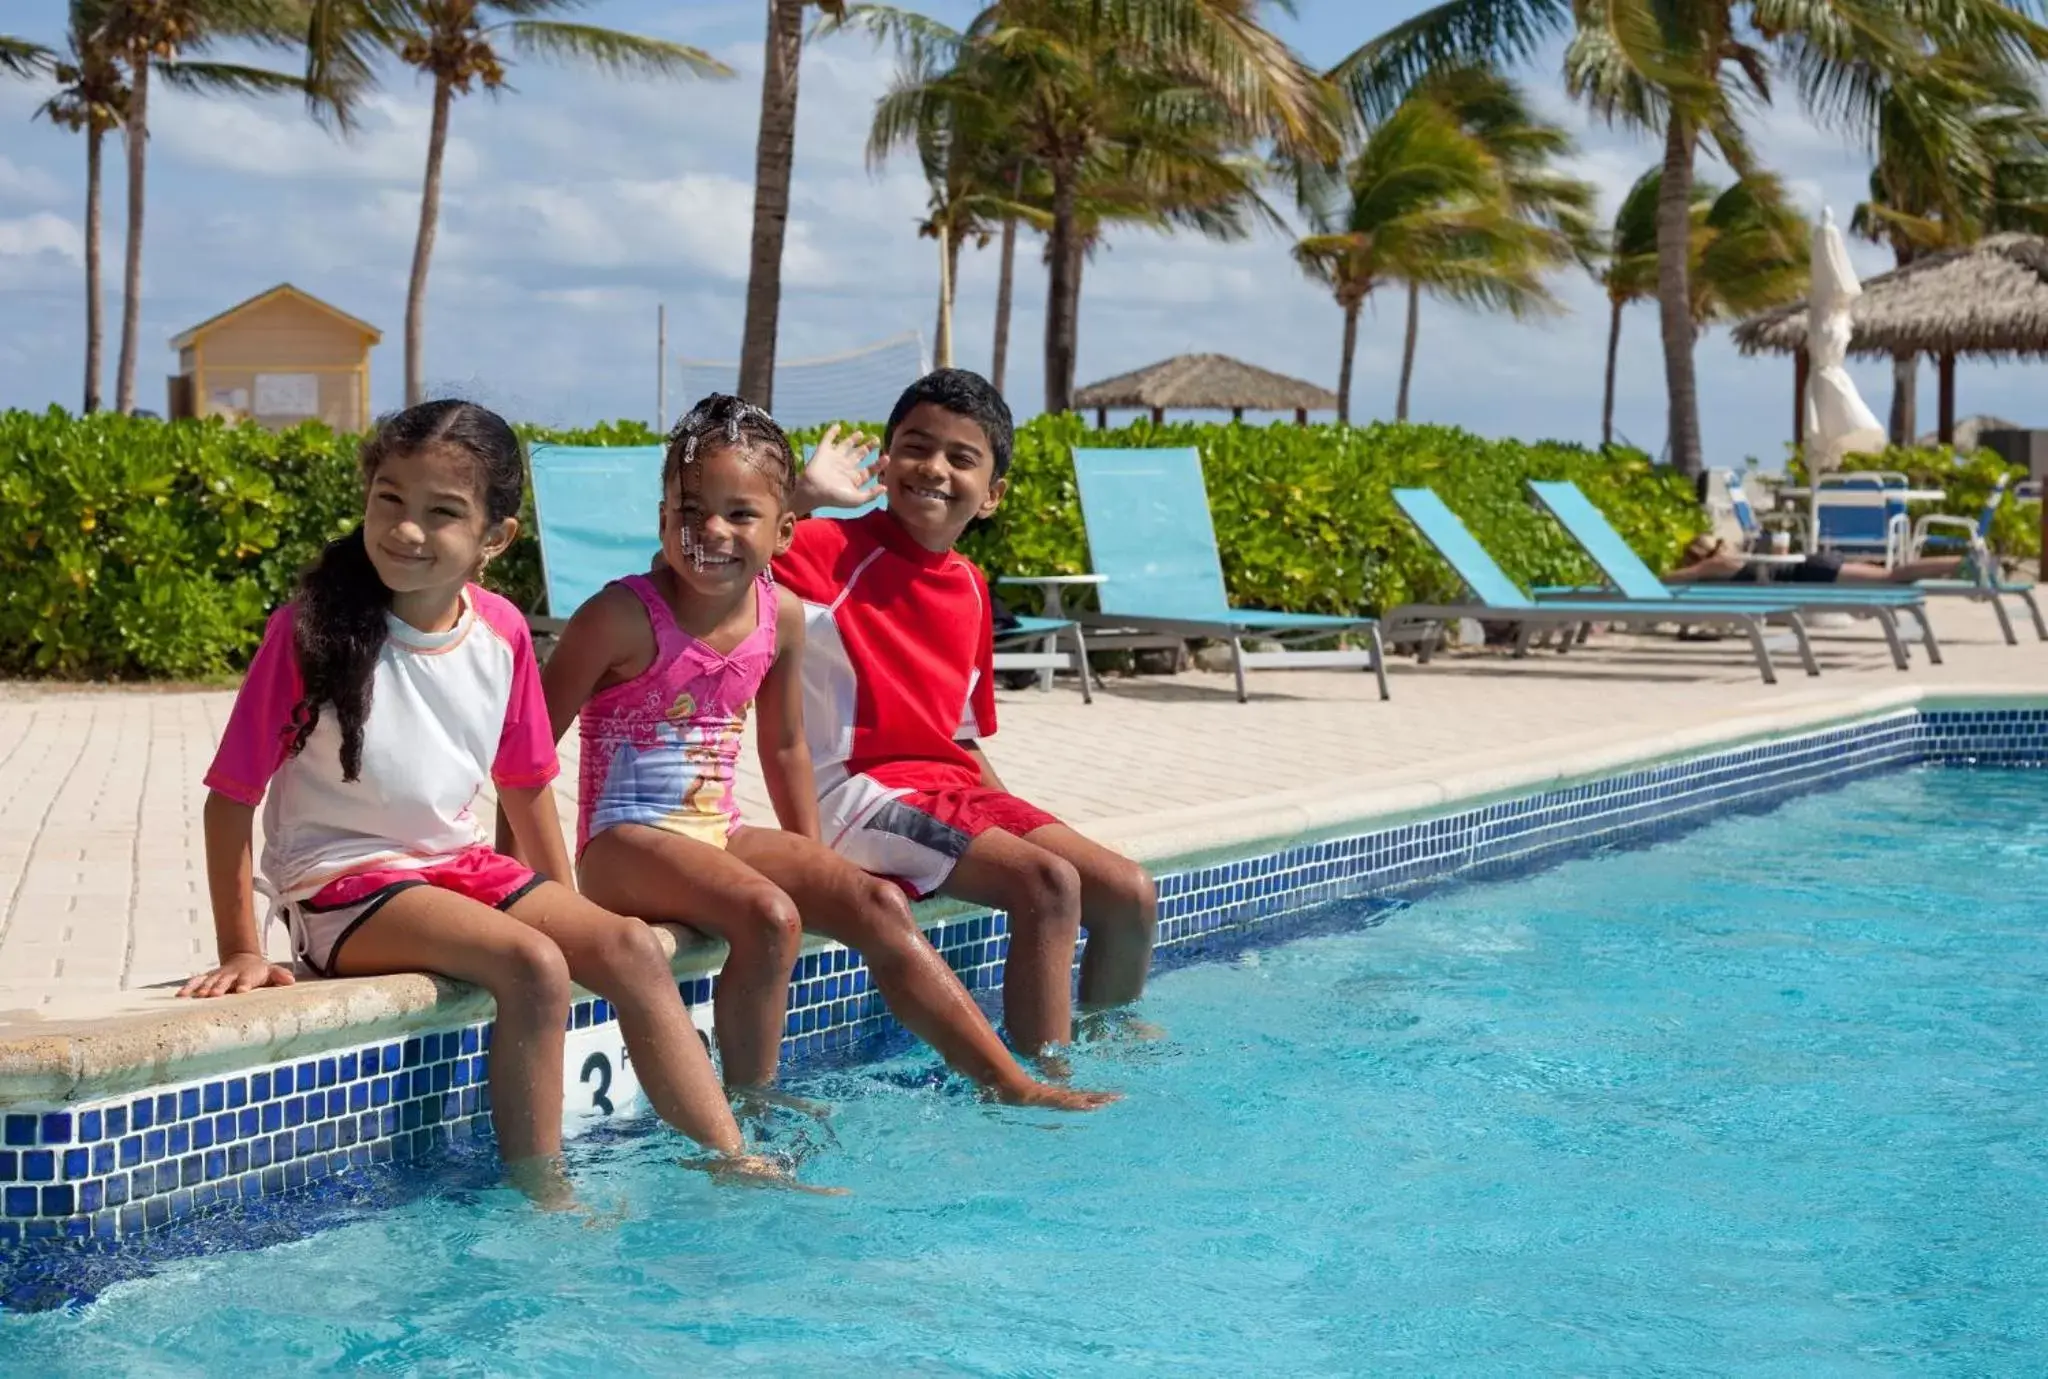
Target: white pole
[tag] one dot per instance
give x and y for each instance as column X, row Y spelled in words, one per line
column 661, row 367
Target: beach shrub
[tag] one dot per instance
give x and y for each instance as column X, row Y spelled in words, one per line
column 134, row 548
column 1304, row 516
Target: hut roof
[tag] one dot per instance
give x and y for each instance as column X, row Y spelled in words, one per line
column 281, row 291
column 1988, row 299
column 1207, row 382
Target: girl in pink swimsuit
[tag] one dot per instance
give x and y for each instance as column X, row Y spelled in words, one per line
column 664, row 668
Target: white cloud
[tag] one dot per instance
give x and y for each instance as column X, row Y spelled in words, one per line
column 42, row 233
column 700, row 221
column 277, row 139
column 21, row 182
column 39, row 252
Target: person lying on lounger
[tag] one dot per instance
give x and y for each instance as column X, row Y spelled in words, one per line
column 1710, row 560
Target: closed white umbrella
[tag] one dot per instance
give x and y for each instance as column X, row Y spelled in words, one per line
column 1837, row 421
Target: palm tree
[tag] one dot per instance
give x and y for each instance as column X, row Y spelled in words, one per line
column 459, row 44
column 1546, row 216
column 1747, row 252
column 92, row 99
column 966, row 152
column 774, row 159
column 1425, row 202
column 1962, row 151
column 1090, row 82
column 148, row 36
column 1686, row 70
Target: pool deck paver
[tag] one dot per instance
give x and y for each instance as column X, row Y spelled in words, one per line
column 102, row 871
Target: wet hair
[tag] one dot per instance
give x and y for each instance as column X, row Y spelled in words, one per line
column 340, row 627
column 967, row 394
column 724, row 422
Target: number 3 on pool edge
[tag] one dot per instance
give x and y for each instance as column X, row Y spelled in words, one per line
column 602, row 1066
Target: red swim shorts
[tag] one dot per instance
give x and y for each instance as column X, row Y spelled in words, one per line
column 322, row 922
column 915, row 839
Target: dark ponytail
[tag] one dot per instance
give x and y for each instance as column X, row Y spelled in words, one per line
column 342, row 601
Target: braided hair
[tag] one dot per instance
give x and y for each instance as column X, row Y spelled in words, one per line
column 342, row 602
column 724, row 422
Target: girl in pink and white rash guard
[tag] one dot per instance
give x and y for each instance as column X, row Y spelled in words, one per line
column 384, row 701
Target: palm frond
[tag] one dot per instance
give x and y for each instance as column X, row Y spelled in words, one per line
column 21, row 58
column 1499, row 33
column 228, row 79
column 611, row 51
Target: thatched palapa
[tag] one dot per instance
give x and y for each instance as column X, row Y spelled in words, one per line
column 1988, row 299
column 1206, row 383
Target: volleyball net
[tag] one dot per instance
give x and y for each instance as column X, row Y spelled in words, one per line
column 859, row 384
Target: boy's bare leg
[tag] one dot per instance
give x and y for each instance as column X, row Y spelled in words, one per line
column 1119, row 911
column 871, row 916
column 635, row 870
column 1041, row 892
column 427, row 929
column 621, row 960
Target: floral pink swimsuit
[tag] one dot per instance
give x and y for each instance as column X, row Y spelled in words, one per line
column 661, row 749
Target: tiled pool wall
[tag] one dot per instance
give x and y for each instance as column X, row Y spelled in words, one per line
column 115, row 1168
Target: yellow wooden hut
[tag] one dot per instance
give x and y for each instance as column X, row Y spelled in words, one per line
column 282, row 357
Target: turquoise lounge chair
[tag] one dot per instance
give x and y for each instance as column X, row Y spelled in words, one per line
column 1151, row 538
column 1637, row 581
column 1496, row 598
column 597, row 510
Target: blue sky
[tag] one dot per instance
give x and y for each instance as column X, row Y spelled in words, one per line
column 574, row 204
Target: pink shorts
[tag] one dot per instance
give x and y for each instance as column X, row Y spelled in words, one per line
column 322, row 922
column 916, row 839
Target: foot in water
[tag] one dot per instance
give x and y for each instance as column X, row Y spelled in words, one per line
column 754, row 1170
column 762, row 1101
column 1099, row 1025
column 1053, row 1098
column 545, row 1181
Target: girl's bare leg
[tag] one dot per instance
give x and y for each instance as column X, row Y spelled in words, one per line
column 634, row 870
column 871, row 916
column 621, row 960
column 427, row 929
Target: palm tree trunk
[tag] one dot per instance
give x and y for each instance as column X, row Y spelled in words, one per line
column 423, row 247
column 95, row 295
column 1408, row 351
column 1351, row 310
column 1905, row 397
column 136, row 135
column 942, row 337
column 999, row 362
column 1674, row 299
column 774, row 155
column 1063, row 294
column 1613, row 356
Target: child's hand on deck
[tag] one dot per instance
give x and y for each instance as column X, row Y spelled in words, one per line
column 842, row 472
column 242, row 972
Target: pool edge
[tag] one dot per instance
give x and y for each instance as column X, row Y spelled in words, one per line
column 68, row 1060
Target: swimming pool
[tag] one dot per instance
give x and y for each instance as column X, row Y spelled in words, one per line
column 1765, row 1098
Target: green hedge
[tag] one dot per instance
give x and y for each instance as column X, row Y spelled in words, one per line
column 143, row 549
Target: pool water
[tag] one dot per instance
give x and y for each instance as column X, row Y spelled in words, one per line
column 1769, row 1098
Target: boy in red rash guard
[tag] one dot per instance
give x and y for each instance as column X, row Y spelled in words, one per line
column 899, row 691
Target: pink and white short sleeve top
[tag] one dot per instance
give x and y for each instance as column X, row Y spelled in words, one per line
column 448, row 712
